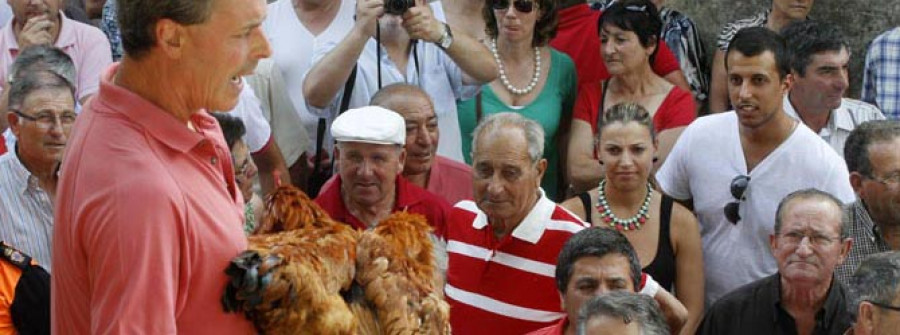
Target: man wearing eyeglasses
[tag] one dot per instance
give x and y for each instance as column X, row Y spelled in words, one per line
column 876, row 291
column 872, row 153
column 41, row 114
column 810, row 240
column 732, row 168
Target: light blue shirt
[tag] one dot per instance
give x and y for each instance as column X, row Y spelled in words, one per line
column 26, row 213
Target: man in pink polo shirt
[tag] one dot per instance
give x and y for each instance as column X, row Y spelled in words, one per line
column 148, row 215
column 42, row 22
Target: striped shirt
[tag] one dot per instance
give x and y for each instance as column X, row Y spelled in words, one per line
column 850, row 114
column 733, row 27
column 26, row 213
column 881, row 78
column 507, row 286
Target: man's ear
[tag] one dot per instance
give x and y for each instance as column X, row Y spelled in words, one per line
column 856, row 180
column 13, row 120
column 541, row 167
column 170, row 37
column 402, row 160
column 787, row 84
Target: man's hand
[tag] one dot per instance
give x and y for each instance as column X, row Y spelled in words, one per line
column 367, row 14
column 37, row 30
column 420, row 23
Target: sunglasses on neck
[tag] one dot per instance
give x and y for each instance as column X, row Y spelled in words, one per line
column 738, row 187
column 522, row 6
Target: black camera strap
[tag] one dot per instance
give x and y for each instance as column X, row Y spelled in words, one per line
column 414, row 51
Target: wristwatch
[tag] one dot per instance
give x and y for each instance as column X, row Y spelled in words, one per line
column 446, row 38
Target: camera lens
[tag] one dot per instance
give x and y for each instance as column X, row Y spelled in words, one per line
column 397, row 7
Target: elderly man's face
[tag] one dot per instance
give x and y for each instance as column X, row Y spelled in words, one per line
column 593, row 276
column 881, row 190
column 368, row 171
column 43, row 131
column 505, row 180
column 421, row 132
column 809, row 246
column 218, row 52
column 825, row 82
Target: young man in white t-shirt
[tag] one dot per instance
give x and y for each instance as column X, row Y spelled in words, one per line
column 733, row 168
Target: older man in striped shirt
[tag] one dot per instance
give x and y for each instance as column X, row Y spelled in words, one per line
column 502, row 248
column 41, row 114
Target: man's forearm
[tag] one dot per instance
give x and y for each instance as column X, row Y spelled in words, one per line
column 330, row 73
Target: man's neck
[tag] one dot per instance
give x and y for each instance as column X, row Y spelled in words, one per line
column 370, row 214
column 777, row 21
column 776, row 131
column 316, row 15
column 419, row 179
column 815, row 119
column 43, row 172
column 801, row 300
column 505, row 226
column 135, row 76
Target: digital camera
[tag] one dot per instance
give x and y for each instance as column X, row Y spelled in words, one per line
column 398, row 7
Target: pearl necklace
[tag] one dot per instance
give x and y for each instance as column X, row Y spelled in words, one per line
column 505, row 80
column 632, row 223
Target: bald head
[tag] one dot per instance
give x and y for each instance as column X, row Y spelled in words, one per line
column 417, row 110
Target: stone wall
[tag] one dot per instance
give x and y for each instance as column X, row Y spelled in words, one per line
column 861, row 20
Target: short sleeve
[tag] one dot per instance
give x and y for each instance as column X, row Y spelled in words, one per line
column 664, row 62
column 587, row 103
column 672, row 177
column 96, row 57
column 249, row 110
column 678, row 110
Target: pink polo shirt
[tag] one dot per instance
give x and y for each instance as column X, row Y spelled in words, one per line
column 147, row 219
column 450, row 180
column 86, row 45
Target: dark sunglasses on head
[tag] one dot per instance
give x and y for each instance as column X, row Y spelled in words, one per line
column 738, row 187
column 523, row 6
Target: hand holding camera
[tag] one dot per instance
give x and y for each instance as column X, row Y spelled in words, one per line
column 420, row 23
column 367, row 14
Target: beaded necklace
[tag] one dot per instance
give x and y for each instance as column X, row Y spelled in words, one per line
column 503, row 79
column 632, row 223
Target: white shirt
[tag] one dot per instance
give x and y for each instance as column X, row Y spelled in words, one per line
column 293, row 47
column 438, row 75
column 278, row 110
column 249, row 110
column 850, row 114
column 705, row 159
column 26, row 213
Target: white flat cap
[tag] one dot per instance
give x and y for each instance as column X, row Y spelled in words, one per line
column 370, row 124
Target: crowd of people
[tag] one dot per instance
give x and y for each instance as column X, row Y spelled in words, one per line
column 585, row 168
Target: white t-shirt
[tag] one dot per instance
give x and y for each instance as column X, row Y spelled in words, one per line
column 249, row 110
column 438, row 75
column 705, row 159
column 292, row 49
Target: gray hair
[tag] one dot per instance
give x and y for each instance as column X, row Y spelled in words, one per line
column 534, row 133
column 877, row 279
column 856, row 149
column 43, row 57
column 630, row 307
column 810, row 194
column 137, row 20
column 34, row 81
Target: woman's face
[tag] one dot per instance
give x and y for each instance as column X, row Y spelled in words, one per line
column 622, row 50
column 244, row 169
column 513, row 23
column 626, row 150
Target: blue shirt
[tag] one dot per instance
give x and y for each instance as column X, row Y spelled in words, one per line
column 881, row 78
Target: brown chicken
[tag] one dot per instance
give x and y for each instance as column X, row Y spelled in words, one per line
column 298, row 275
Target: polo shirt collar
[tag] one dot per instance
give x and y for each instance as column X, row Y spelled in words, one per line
column 532, row 226
column 156, row 122
column 405, row 194
column 65, row 39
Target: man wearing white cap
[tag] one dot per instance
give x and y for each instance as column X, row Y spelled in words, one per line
column 370, row 155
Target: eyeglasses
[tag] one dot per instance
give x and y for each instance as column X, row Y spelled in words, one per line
column 738, row 187
column 523, row 6
column 891, row 180
column 886, row 306
column 46, row 120
column 794, row 238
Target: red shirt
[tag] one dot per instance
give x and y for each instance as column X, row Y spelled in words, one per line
column 409, row 197
column 2, row 145
column 450, row 179
column 507, row 286
column 558, row 328
column 577, row 36
column 148, row 217
column 677, row 110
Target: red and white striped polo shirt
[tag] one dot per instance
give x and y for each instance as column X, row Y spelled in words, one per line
column 507, row 286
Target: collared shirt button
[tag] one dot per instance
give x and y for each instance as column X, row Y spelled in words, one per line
column 213, row 160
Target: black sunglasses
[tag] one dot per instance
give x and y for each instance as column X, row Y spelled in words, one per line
column 738, row 187
column 523, row 6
